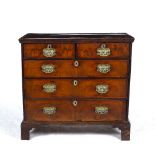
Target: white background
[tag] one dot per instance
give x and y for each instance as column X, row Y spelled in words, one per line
column 136, row 17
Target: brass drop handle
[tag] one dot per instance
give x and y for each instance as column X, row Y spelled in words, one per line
column 101, row 110
column 49, row 110
column 102, row 88
column 49, row 88
column 75, row 103
column 49, row 51
column 103, row 68
column 103, row 51
column 48, row 68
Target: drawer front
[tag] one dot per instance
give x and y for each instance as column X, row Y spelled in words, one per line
column 85, row 110
column 101, row 110
column 95, row 88
column 102, row 68
column 48, row 51
column 99, row 50
column 49, row 68
column 67, row 68
column 53, row 110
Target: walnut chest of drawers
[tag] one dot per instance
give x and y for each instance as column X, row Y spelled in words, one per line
column 76, row 80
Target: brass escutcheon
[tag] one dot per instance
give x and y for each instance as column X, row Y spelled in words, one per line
column 76, row 63
column 75, row 82
column 75, row 103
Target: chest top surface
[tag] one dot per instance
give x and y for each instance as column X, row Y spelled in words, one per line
column 106, row 37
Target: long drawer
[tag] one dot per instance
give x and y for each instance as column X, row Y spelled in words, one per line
column 81, row 88
column 65, row 110
column 70, row 68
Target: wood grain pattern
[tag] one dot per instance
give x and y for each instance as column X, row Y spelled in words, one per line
column 36, row 50
column 86, row 110
column 84, row 89
column 66, row 68
column 63, row 68
column 89, row 50
column 65, row 111
column 88, row 68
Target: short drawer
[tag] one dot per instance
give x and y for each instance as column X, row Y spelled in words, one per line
column 48, row 51
column 67, row 68
column 49, row 110
column 101, row 110
column 76, row 88
column 103, row 50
